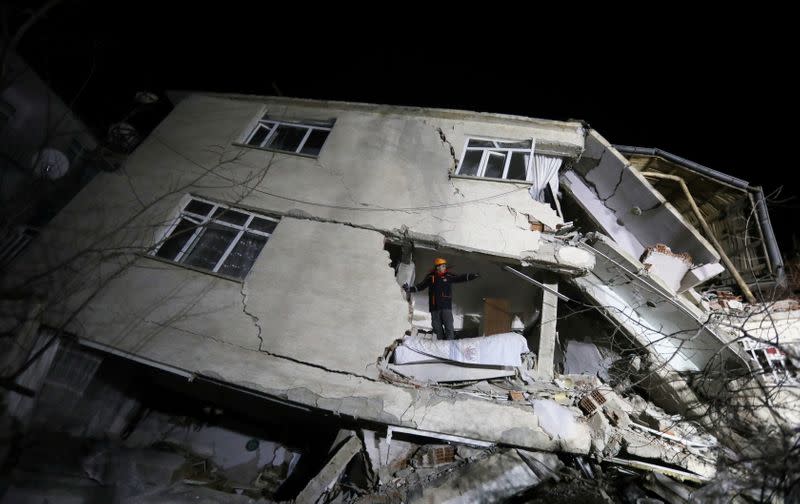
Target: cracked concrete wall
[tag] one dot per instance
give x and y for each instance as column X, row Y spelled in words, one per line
column 233, row 356
column 378, row 169
column 321, row 294
column 381, row 168
column 325, row 293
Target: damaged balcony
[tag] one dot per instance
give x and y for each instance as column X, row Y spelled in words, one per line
column 734, row 211
column 496, row 319
column 577, row 364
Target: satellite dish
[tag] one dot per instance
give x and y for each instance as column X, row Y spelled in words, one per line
column 50, row 163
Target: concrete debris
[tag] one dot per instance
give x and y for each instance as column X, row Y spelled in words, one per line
column 556, row 420
column 385, row 456
column 668, row 265
column 434, row 455
column 516, row 395
column 240, row 458
column 330, row 472
column 645, row 446
column 668, row 489
column 601, row 432
column 585, row 358
column 591, row 401
column 616, row 412
column 655, row 418
column 677, row 474
column 493, row 479
column 545, row 465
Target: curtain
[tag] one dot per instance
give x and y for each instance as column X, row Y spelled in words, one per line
column 543, row 172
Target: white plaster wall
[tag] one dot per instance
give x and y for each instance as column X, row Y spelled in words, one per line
column 322, row 293
column 379, row 169
column 317, row 285
column 318, row 293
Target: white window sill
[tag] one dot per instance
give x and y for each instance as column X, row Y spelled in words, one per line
column 299, row 154
column 490, row 179
column 191, row 268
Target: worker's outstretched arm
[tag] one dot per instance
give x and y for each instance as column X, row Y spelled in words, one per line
column 422, row 285
column 466, row 277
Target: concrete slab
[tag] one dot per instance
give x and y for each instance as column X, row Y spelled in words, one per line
column 330, row 472
column 493, row 479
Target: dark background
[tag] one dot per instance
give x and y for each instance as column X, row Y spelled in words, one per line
column 717, row 89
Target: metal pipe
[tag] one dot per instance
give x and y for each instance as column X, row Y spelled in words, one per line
column 725, row 259
column 769, row 237
column 536, row 283
column 714, row 174
column 767, row 256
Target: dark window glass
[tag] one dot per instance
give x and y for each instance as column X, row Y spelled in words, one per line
column 480, row 143
column 516, row 168
column 182, row 232
column 525, row 144
column 243, row 255
column 472, row 160
column 263, row 225
column 495, row 165
column 230, row 216
column 198, row 207
column 287, row 138
column 314, row 142
column 208, row 249
column 258, row 136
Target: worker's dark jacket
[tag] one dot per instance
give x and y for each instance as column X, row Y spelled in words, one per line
column 440, row 291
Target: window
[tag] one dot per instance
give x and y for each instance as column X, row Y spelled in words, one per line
column 771, row 359
column 216, row 238
column 499, row 159
column 304, row 138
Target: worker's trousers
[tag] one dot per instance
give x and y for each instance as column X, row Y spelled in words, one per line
column 442, row 321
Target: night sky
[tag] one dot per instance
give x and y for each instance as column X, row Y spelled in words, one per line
column 719, row 93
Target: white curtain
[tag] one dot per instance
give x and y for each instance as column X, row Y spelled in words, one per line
column 543, row 172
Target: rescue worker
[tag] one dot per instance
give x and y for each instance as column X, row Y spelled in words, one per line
column 440, row 296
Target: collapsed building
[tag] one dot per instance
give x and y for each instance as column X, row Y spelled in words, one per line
column 259, row 245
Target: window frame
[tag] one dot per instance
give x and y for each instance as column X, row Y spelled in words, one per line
column 309, row 125
column 486, row 153
column 201, row 223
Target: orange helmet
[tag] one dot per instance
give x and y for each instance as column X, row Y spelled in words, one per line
column 439, row 261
